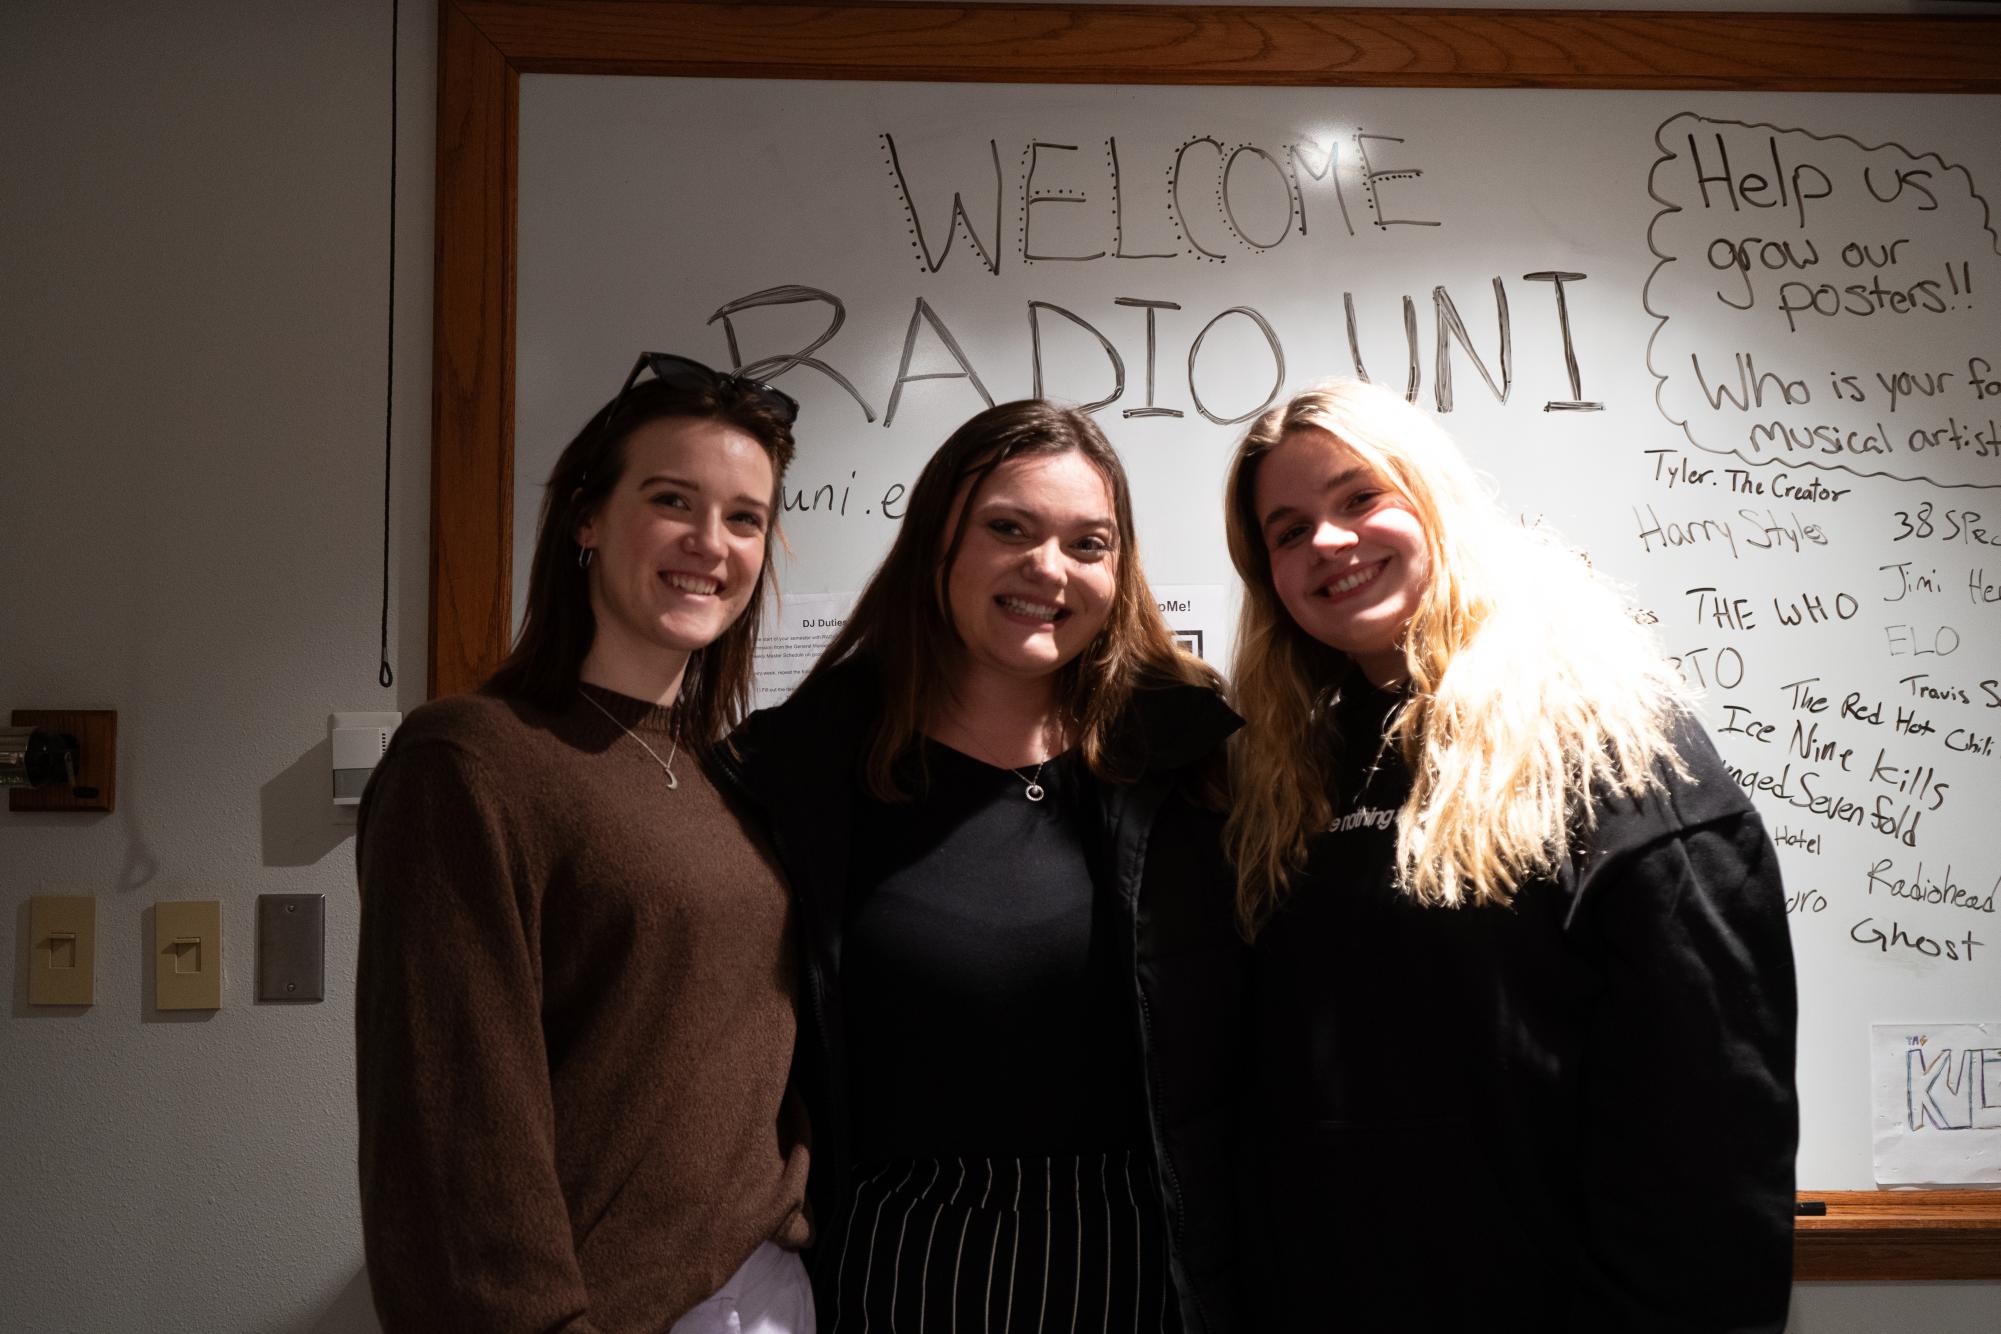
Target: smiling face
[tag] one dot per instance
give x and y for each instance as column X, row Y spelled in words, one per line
column 1347, row 552
column 677, row 548
column 1037, row 568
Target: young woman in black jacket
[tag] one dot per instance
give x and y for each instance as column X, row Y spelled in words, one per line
column 1523, row 996
column 1021, row 999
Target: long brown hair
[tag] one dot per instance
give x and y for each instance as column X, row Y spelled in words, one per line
column 903, row 626
column 558, row 625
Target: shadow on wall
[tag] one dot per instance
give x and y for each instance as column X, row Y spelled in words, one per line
column 298, row 812
column 351, row 1312
column 139, row 864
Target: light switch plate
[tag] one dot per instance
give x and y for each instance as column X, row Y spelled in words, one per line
column 187, row 947
column 62, row 950
column 291, row 947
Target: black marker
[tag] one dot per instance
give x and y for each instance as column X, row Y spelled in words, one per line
column 1810, row 1209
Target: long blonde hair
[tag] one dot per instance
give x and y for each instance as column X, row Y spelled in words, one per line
column 1530, row 685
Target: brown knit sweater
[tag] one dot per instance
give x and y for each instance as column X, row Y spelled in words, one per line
column 574, row 1020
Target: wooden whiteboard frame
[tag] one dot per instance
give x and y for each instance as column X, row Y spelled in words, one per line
column 484, row 46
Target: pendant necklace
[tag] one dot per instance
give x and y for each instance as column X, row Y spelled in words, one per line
column 666, row 765
column 1031, row 783
column 1033, row 791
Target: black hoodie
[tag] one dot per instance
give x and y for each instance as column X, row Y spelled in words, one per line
column 1575, row 1113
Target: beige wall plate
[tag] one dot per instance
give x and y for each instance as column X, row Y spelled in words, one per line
column 187, row 947
column 62, row 950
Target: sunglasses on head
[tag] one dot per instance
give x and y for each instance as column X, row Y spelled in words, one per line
column 687, row 373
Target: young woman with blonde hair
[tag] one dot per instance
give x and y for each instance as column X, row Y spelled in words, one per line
column 1023, row 982
column 1523, row 998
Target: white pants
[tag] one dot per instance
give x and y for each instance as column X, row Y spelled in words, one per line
column 769, row 1294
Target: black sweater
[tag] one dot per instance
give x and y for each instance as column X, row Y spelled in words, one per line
column 1179, row 955
column 989, row 1009
column 1575, row 1113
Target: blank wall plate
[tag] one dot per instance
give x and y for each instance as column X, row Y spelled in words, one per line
column 291, row 947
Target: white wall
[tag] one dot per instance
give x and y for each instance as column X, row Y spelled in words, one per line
column 193, row 253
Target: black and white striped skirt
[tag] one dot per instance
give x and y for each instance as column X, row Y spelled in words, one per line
column 1066, row 1245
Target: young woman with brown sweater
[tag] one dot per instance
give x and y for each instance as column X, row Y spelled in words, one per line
column 575, row 998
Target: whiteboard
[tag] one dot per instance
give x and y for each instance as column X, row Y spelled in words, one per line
column 1764, row 393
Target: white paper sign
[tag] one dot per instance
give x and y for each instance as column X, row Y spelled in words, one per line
column 1938, row 1103
column 796, row 628
column 1200, row 616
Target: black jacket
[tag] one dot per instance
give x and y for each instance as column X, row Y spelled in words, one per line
column 1572, row 1114
column 801, row 764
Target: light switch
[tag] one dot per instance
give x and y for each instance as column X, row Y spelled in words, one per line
column 187, row 947
column 291, row 947
column 62, row 950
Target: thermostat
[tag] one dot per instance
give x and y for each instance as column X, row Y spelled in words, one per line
column 359, row 740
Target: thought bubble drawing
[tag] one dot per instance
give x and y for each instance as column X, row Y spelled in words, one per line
column 1825, row 303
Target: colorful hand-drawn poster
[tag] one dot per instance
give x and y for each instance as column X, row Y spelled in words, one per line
column 1938, row 1103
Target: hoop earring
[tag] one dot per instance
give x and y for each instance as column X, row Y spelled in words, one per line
column 584, row 557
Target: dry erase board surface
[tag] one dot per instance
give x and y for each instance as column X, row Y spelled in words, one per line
column 1744, row 350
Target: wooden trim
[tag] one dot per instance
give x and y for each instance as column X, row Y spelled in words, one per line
column 472, row 367
column 485, row 45
column 1900, row 1234
column 1488, row 48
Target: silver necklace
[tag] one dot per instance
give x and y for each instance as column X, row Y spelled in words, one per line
column 666, row 765
column 1031, row 784
column 1033, row 791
